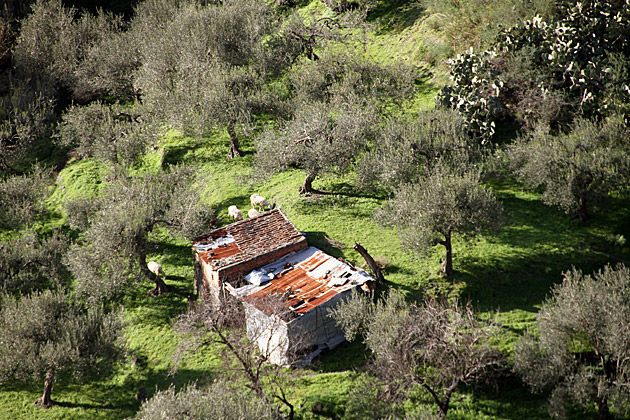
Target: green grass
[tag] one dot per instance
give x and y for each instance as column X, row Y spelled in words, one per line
column 510, row 272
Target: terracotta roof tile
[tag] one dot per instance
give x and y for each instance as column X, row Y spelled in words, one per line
column 251, row 238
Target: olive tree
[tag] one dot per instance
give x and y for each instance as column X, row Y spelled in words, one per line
column 406, row 150
column 220, row 400
column 23, row 197
column 442, row 204
column 577, row 169
column 580, row 348
column 321, row 138
column 112, row 254
column 45, row 335
column 105, row 132
column 29, row 263
column 436, row 345
column 54, row 41
column 336, row 102
column 27, row 116
column 204, row 66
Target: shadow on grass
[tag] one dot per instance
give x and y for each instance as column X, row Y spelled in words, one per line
column 516, row 268
column 173, row 254
column 205, row 150
column 349, row 190
column 395, row 15
column 325, row 243
column 357, row 207
column 159, row 310
column 346, row 356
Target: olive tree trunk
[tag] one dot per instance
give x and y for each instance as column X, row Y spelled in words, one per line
column 307, row 186
column 581, row 213
column 234, row 146
column 447, row 265
column 160, row 286
column 45, row 401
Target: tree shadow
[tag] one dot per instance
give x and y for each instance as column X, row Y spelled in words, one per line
column 516, row 268
column 349, row 190
column 346, row 356
column 173, row 254
column 395, row 15
column 157, row 311
column 328, row 245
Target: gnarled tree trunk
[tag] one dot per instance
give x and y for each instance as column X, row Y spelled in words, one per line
column 45, row 401
column 234, row 147
column 307, row 186
column 376, row 270
column 581, row 213
column 160, row 286
column 447, row 265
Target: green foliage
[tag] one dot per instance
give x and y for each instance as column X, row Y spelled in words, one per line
column 23, row 197
column 204, row 66
column 344, row 74
column 29, row 263
column 405, row 150
column 105, row 132
column 54, row 41
column 336, row 104
column 112, row 254
column 221, row 400
column 474, row 23
column 436, row 345
column 46, row 334
column 582, row 351
column 442, row 204
column 26, row 118
column 577, row 64
column 321, row 138
column 577, row 169
column 475, row 92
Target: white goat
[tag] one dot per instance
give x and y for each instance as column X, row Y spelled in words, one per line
column 258, row 201
column 253, row 213
column 156, row 269
column 235, row 213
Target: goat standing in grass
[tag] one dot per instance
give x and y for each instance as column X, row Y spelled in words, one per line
column 258, row 201
column 235, row 213
column 156, row 269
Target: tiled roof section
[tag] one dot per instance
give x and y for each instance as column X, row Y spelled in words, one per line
column 251, row 238
column 306, row 279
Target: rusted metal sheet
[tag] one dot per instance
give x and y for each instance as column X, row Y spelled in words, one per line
column 306, row 279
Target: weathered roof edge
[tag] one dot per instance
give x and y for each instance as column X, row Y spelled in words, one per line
column 261, row 255
column 248, row 220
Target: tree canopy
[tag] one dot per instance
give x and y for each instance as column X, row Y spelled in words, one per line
column 113, row 253
column 581, row 347
column 441, row 204
column 439, row 346
column 46, row 334
column 551, row 70
column 578, row 169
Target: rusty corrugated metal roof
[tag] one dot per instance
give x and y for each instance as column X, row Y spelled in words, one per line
column 306, row 279
column 251, row 238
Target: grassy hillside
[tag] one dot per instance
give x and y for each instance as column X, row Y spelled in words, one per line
column 508, row 274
